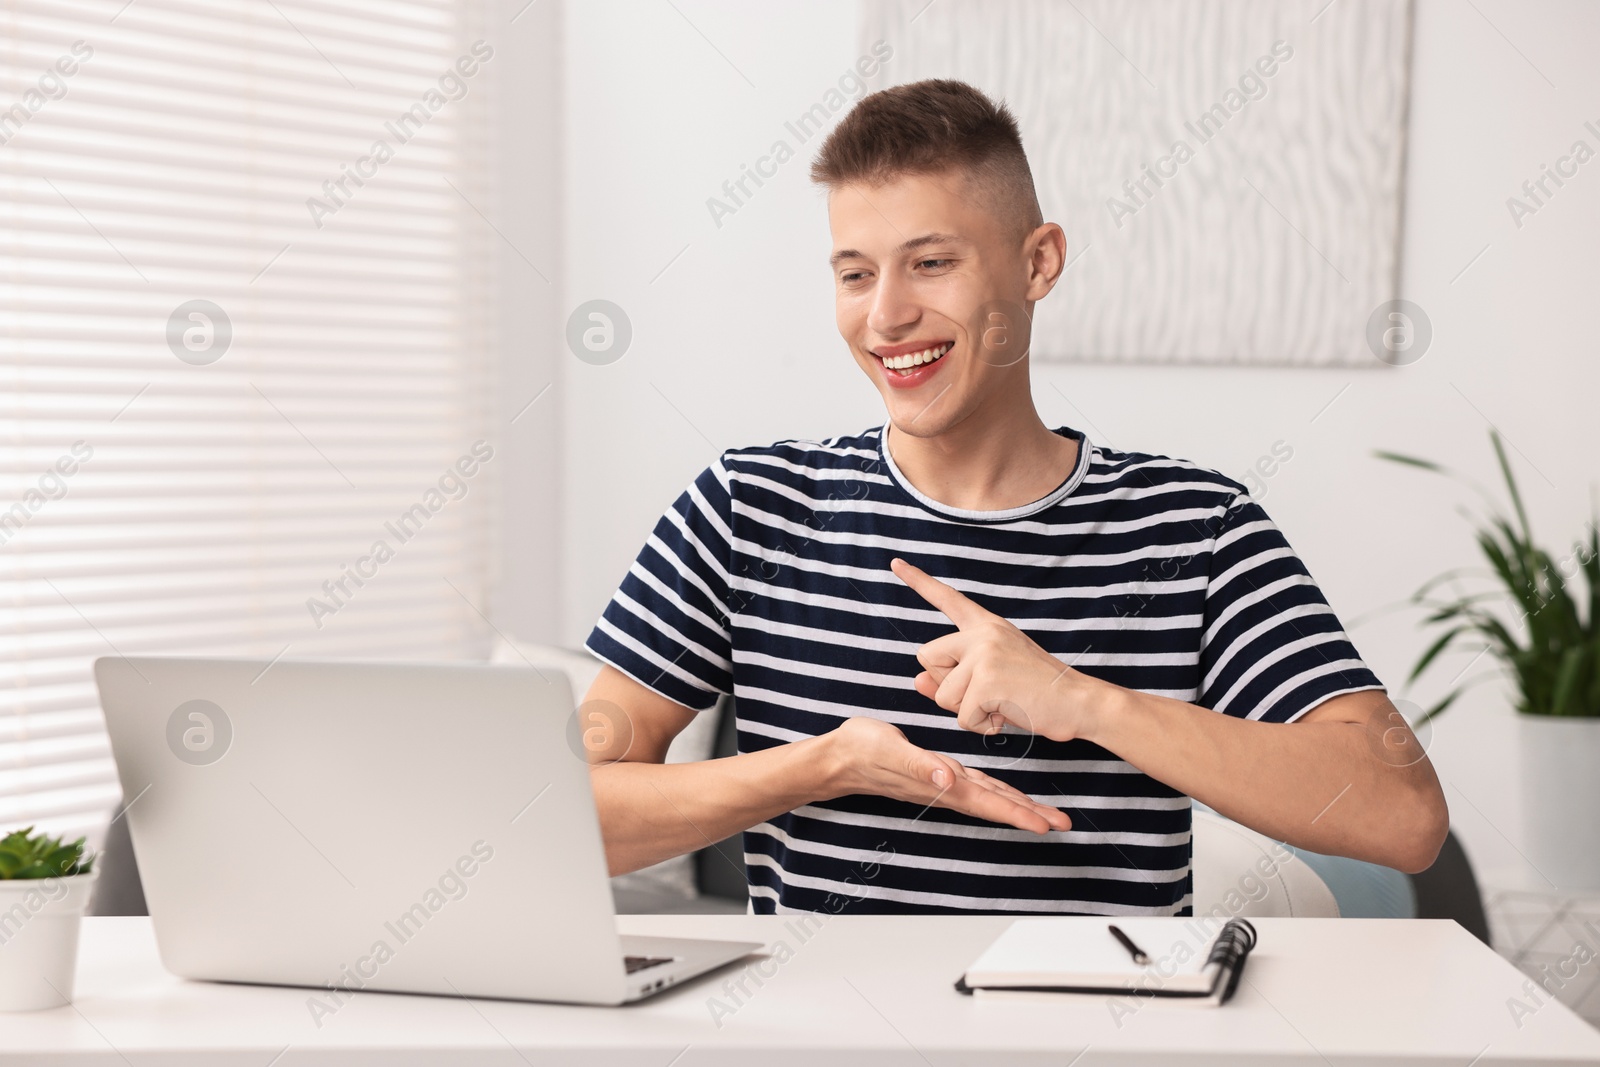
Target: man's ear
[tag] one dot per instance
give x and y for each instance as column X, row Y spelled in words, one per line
column 1046, row 249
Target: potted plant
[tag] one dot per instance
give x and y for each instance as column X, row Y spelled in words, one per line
column 1547, row 636
column 45, row 888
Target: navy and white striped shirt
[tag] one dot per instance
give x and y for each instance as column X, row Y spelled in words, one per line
column 769, row 579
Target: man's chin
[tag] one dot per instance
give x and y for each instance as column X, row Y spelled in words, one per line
column 922, row 419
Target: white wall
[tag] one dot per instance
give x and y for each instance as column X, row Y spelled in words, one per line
column 1515, row 345
column 737, row 334
column 734, row 342
column 527, row 272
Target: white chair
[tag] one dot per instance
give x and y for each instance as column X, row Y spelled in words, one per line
column 1240, row 872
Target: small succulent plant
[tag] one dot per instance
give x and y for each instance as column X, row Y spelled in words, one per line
column 25, row 854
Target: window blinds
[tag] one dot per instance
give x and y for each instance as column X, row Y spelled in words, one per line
column 243, row 351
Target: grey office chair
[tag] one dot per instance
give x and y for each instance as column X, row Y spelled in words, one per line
column 1449, row 890
column 719, row 868
column 119, row 890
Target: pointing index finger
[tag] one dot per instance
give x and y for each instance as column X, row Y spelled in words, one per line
column 956, row 606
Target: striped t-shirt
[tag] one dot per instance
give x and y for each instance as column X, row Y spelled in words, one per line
column 769, row 579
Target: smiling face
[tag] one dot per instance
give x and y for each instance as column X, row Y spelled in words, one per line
column 933, row 292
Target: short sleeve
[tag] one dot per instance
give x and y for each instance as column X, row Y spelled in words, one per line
column 1272, row 648
column 667, row 625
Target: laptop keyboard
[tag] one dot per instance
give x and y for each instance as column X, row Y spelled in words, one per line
column 640, row 963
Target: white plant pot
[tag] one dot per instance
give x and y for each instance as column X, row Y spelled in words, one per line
column 1561, row 798
column 39, row 921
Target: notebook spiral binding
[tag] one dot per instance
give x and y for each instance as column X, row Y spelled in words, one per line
column 1233, row 944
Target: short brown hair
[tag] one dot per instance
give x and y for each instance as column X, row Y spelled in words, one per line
column 930, row 127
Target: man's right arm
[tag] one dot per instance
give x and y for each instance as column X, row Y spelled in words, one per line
column 651, row 810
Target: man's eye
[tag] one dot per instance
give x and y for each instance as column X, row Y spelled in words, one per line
column 935, row 263
column 852, row 277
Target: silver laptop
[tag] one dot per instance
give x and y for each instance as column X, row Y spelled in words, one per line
column 420, row 828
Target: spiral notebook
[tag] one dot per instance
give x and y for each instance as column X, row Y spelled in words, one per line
column 1188, row 958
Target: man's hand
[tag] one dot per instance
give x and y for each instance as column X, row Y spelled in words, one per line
column 990, row 673
column 874, row 757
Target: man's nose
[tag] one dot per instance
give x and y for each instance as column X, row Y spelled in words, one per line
column 894, row 307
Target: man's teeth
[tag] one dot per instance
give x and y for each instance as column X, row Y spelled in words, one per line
column 912, row 359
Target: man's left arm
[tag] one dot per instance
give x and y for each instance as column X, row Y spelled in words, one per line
column 1346, row 778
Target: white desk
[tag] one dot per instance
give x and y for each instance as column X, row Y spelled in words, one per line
column 862, row 990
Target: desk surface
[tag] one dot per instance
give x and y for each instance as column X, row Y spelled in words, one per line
column 857, row 990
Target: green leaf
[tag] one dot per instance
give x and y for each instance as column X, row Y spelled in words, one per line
column 1396, row 457
column 61, row 860
column 1502, row 644
column 1439, row 707
column 1594, row 676
column 1591, row 569
column 24, row 854
column 16, row 840
column 1503, row 568
column 1511, row 484
column 1433, row 651
column 1566, row 680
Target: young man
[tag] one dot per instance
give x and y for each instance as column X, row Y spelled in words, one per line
column 979, row 664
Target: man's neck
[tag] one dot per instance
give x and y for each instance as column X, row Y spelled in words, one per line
column 986, row 463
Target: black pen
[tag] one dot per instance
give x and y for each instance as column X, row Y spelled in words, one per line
column 1133, row 950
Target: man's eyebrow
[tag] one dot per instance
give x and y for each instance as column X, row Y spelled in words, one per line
column 909, row 246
